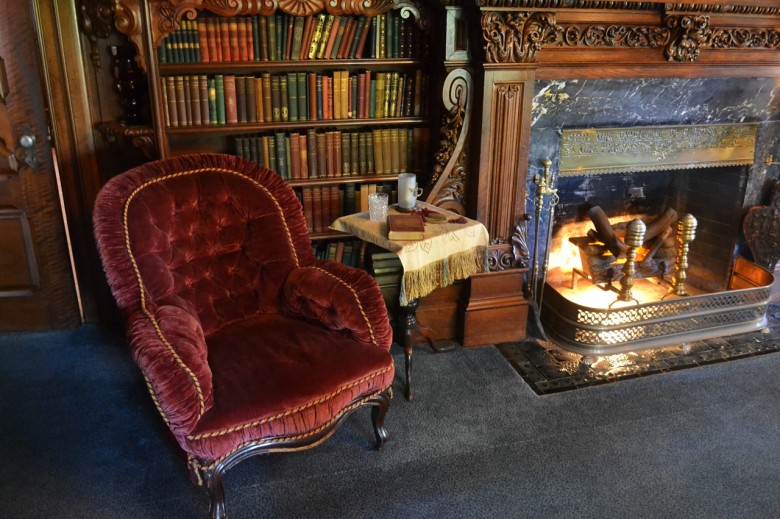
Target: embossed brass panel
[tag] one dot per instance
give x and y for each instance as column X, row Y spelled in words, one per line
column 655, row 148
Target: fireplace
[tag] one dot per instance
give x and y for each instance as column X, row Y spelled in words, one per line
column 639, row 149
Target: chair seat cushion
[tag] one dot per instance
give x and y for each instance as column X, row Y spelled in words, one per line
column 277, row 376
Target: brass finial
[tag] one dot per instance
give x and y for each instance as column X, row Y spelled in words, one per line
column 635, row 236
column 686, row 232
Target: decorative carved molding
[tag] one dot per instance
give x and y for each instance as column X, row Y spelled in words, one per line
column 500, row 257
column 515, row 37
column 520, row 243
column 691, row 33
column 142, row 137
column 127, row 20
column 633, row 6
column 96, row 18
column 449, row 174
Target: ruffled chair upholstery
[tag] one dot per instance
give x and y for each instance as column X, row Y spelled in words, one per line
column 248, row 343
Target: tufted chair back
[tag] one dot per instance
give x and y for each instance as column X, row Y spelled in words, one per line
column 212, row 233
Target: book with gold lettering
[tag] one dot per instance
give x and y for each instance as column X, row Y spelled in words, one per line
column 405, row 227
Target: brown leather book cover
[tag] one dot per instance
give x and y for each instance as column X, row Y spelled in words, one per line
column 181, row 102
column 170, row 97
column 262, row 23
column 326, row 207
column 330, row 150
column 335, row 203
column 203, row 87
column 308, row 32
column 195, row 100
column 312, row 76
column 203, row 38
column 224, row 40
column 405, row 227
column 259, row 101
column 268, row 115
column 235, row 53
column 295, row 156
column 332, row 36
column 379, row 163
column 241, row 99
column 327, row 98
column 316, row 195
column 231, row 104
column 308, row 208
column 346, row 41
column 214, row 52
column 243, row 39
column 362, row 41
column 354, row 165
column 322, row 156
column 311, row 144
column 304, row 156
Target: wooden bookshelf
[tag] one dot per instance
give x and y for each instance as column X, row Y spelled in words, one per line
column 209, row 64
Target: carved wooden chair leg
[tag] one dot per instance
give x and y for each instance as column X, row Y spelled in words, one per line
column 381, row 403
column 216, row 492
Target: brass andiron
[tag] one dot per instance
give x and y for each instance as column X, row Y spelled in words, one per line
column 686, row 232
column 544, row 188
column 635, row 236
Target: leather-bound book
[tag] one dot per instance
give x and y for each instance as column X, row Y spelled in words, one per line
column 395, row 147
column 311, row 147
column 326, row 207
column 316, row 196
column 290, row 33
column 282, row 162
column 358, row 33
column 170, row 97
column 370, row 166
column 361, row 46
column 379, row 163
column 231, row 101
column 273, row 154
column 284, row 98
column 219, row 90
column 346, row 157
column 327, row 98
column 197, row 105
column 303, row 96
column 242, row 39
column 387, row 150
column 339, row 35
column 311, row 96
column 339, row 257
column 212, row 99
column 332, row 32
column 325, row 36
column 255, row 24
column 379, row 95
column 361, row 96
column 418, row 93
column 271, row 20
column 188, row 102
column 297, row 37
column 317, row 36
column 405, row 227
column 303, row 156
column 336, row 203
column 319, row 95
column 372, row 98
column 330, row 157
column 241, row 150
column 203, row 96
column 203, row 40
column 308, row 33
column 262, row 23
column 353, row 97
column 251, row 106
column 233, row 40
column 259, row 100
column 276, row 101
column 181, row 101
column 254, row 156
column 295, row 157
column 308, row 208
column 268, row 111
column 241, row 104
column 403, row 150
column 322, row 156
column 349, row 199
column 354, row 168
column 292, row 96
column 346, row 41
column 363, row 153
column 344, row 90
column 211, row 41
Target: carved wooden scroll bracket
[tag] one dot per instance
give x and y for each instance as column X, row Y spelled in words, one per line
column 447, row 186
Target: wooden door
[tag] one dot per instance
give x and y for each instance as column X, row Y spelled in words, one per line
column 37, row 289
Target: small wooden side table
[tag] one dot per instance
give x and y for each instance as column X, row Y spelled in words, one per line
column 452, row 249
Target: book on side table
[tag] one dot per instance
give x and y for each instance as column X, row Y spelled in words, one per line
column 405, row 227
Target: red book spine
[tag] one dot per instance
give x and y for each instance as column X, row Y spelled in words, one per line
column 326, row 97
column 250, row 41
column 224, row 37
column 332, row 36
column 363, row 38
column 290, row 30
column 346, row 41
column 242, row 40
column 322, row 156
column 235, row 53
column 335, row 202
column 312, row 96
column 203, row 42
column 295, row 157
column 337, row 159
column 327, row 219
column 303, row 156
column 308, row 31
column 316, row 195
column 211, row 32
column 231, row 104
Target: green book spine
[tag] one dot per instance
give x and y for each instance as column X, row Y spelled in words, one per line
column 346, row 162
column 354, row 167
column 281, row 155
column 219, row 89
column 272, row 154
column 358, row 30
column 362, row 153
column 279, row 36
column 303, row 96
column 292, row 96
column 256, row 37
column 276, row 102
column 212, row 89
column 353, row 86
column 372, row 99
column 349, row 198
column 396, row 36
column 271, row 36
column 241, row 147
column 162, row 51
column 297, row 38
column 263, row 23
column 284, row 107
column 196, row 40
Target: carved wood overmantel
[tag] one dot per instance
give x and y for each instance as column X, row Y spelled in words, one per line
column 515, row 42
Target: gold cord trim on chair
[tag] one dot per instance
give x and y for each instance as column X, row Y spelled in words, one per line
column 197, row 464
column 147, row 313
column 288, row 412
column 357, row 300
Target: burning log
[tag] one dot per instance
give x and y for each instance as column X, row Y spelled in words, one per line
column 606, row 233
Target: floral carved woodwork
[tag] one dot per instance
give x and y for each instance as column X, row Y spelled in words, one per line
column 450, row 172
column 517, row 37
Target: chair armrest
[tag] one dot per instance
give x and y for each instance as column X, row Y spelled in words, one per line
column 340, row 298
column 168, row 345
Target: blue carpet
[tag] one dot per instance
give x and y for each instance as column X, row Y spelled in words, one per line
column 79, row 437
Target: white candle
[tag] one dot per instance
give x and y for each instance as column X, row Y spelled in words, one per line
column 408, row 190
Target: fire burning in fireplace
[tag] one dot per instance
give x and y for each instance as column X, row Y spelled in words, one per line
column 616, row 283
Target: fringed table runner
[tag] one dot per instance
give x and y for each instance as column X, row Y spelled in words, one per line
column 448, row 252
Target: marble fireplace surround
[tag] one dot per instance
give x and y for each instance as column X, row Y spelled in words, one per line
column 543, row 66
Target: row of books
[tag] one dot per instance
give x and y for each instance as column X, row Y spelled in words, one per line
column 281, row 36
column 333, row 154
column 346, row 252
column 323, row 204
column 199, row 100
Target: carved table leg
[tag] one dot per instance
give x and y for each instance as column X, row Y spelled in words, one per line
column 408, row 323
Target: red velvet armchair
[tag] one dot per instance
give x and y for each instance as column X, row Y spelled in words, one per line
column 248, row 343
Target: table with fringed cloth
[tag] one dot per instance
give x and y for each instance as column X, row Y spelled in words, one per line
column 449, row 251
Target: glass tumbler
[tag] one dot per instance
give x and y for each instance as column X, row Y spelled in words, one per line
column 377, row 207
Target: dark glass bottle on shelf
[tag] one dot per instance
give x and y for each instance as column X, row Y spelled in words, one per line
column 130, row 85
